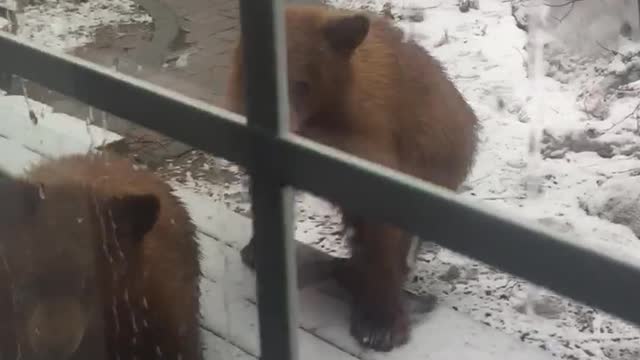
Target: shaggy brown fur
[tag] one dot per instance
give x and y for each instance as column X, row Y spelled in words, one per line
column 356, row 85
column 96, row 255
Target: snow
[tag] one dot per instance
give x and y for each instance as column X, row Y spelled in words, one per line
column 4, row 24
column 51, row 131
column 9, row 4
column 21, row 158
column 51, row 134
column 64, row 25
column 617, row 201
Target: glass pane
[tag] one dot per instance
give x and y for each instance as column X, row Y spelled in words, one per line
column 556, row 146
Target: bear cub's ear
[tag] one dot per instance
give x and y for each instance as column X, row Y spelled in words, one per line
column 345, row 33
column 134, row 214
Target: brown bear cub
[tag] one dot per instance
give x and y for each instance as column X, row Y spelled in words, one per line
column 356, row 84
column 97, row 260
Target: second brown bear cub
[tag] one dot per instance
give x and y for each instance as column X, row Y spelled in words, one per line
column 356, row 84
column 98, row 259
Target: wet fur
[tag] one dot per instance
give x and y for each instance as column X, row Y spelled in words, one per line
column 138, row 297
column 387, row 101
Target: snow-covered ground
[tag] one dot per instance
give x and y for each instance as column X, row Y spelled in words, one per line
column 590, row 158
column 30, row 130
column 64, row 25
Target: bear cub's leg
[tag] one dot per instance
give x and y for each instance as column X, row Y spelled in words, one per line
column 374, row 276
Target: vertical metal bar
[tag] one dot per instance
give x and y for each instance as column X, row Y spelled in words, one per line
column 638, row 4
column 10, row 11
column 6, row 82
column 5, row 79
column 267, row 110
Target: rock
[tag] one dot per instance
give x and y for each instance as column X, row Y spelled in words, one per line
column 626, row 351
column 452, row 274
column 519, row 13
column 548, row 307
column 617, row 200
column 464, row 5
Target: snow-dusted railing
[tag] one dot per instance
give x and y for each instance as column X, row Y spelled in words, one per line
column 277, row 159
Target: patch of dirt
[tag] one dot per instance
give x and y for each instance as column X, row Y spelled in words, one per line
column 113, row 42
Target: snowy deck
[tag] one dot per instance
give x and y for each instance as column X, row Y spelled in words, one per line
column 228, row 300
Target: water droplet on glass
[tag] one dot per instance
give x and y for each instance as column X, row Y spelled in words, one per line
column 535, row 63
column 41, row 192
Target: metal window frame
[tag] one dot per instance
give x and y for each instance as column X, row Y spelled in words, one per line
column 278, row 160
